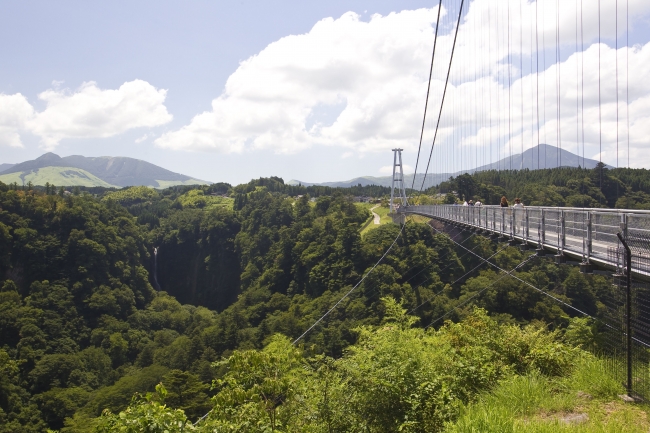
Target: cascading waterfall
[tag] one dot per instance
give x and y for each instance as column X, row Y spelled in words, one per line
column 155, row 267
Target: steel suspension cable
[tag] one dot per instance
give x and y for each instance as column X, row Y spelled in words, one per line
column 507, row 273
column 426, row 102
column 459, row 278
column 351, row 290
column 444, row 93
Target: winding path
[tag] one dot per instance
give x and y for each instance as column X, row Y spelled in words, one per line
column 377, row 219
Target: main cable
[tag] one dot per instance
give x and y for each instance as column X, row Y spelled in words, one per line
column 444, row 93
column 426, row 102
column 481, row 291
column 352, row 289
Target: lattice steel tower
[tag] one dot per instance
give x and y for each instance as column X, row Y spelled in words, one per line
column 398, row 181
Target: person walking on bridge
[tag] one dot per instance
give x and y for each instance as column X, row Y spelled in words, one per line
column 518, row 204
column 504, row 201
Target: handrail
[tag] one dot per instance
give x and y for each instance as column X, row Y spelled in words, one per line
column 588, row 235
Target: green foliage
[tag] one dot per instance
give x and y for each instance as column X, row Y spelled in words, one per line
column 147, row 413
column 132, row 195
column 82, row 328
column 572, row 187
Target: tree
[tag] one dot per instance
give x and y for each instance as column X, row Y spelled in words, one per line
column 185, row 391
column 148, row 413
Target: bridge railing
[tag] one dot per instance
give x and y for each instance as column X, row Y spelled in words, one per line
column 588, row 235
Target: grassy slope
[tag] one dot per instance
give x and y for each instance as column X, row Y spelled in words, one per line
column 60, row 176
column 162, row 184
column 381, row 211
column 585, row 401
column 71, row 176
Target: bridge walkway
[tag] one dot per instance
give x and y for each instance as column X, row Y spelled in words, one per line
column 586, row 235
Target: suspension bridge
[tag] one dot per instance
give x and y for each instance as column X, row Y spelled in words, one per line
column 507, row 79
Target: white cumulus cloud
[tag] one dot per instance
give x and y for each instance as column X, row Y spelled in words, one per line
column 378, row 69
column 93, row 112
column 369, row 79
column 87, row 112
column 15, row 110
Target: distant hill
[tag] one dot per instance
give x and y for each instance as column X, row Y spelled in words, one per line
column 100, row 171
column 548, row 158
column 5, row 166
column 58, row 176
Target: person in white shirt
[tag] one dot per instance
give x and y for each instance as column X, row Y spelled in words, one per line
column 478, row 203
column 465, row 203
column 518, row 204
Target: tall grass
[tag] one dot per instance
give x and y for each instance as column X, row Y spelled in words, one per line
column 584, row 401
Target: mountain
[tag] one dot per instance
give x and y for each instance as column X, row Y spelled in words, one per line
column 99, row 171
column 59, row 176
column 541, row 156
column 5, row 166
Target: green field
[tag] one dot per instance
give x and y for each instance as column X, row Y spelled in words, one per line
column 60, row 176
column 162, row 184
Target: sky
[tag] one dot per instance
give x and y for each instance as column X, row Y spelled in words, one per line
column 314, row 91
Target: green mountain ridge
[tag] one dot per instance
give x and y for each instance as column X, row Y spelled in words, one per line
column 64, row 176
column 105, row 171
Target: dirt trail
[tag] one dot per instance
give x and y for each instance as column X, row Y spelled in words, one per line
column 377, row 219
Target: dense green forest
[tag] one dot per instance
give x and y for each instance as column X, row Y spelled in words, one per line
column 622, row 188
column 90, row 317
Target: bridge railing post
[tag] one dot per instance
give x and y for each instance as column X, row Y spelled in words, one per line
column 562, row 239
column 526, row 226
column 588, row 239
column 503, row 221
column 542, row 234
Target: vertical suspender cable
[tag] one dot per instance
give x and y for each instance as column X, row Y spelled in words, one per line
column 509, row 91
column 582, row 81
column 532, row 93
column 537, row 74
column 544, row 87
column 558, row 60
column 616, row 52
column 600, row 119
column 498, row 102
column 627, row 75
column 490, row 111
column 521, row 81
column 577, row 93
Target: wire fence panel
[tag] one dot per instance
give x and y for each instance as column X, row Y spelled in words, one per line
column 590, row 234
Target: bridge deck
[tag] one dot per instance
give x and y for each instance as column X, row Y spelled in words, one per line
column 588, row 235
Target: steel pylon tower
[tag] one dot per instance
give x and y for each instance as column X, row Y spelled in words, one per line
column 398, row 182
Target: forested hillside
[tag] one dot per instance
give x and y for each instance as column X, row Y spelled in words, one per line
column 89, row 316
column 572, row 187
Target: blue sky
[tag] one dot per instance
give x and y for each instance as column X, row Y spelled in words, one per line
column 150, row 80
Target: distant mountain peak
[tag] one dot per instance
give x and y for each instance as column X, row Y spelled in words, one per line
column 542, row 156
column 48, row 157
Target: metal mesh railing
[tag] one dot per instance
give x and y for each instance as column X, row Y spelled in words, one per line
column 587, row 235
column 593, row 236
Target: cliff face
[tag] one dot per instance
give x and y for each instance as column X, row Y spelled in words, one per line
column 200, row 266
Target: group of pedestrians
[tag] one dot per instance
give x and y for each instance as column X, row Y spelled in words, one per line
column 518, row 204
column 504, row 203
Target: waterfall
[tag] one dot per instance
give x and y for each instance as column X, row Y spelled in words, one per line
column 155, row 267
